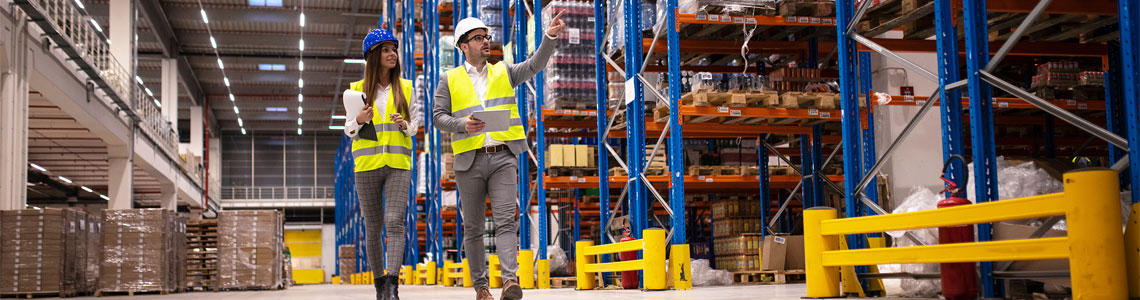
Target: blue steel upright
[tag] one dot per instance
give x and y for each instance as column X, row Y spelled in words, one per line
column 521, row 98
column 951, row 104
column 635, row 118
column 817, row 163
column 849, row 104
column 868, row 151
column 807, row 172
column 676, row 154
column 981, row 125
column 539, row 103
column 603, row 122
column 765, row 183
column 1129, row 15
column 1114, row 106
column 408, row 57
column 459, row 59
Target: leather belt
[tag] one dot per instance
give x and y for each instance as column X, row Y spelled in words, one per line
column 492, row 149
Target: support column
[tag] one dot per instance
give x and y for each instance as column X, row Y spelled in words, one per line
column 169, row 195
column 14, row 121
column 121, row 182
column 196, row 134
column 122, row 37
column 170, row 91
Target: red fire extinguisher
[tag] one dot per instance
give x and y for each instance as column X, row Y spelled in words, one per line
column 959, row 280
column 629, row 278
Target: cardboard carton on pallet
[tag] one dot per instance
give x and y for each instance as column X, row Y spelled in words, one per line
column 807, row 8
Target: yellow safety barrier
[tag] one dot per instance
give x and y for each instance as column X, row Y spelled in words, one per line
column 425, row 274
column 525, row 272
column 336, row 280
column 652, row 263
column 494, row 271
column 1090, row 204
column 1132, row 250
column 680, row 267
column 543, row 273
column 456, row 274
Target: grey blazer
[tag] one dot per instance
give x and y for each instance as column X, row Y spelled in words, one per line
column 516, row 73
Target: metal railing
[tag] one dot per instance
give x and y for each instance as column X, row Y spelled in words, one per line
column 277, row 192
column 86, row 40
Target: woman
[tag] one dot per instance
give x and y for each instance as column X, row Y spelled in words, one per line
column 383, row 165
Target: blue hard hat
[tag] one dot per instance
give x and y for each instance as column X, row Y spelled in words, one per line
column 375, row 37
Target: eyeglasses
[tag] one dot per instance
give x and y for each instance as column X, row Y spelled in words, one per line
column 479, row 38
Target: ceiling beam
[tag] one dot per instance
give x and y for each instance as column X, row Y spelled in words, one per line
column 164, row 33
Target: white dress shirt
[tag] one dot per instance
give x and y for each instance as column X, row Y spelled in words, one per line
column 479, row 81
column 351, row 127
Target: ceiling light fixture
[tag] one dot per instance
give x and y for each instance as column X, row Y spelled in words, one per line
column 300, row 65
column 148, row 92
column 85, row 188
column 300, row 82
column 64, row 179
column 236, row 110
column 302, row 19
column 232, row 98
column 301, row 45
column 339, row 117
column 97, row 27
column 353, row 61
column 300, row 110
column 243, row 131
column 300, row 122
column 139, row 79
column 204, row 18
column 38, row 167
column 157, row 103
column 80, row 3
column 213, row 42
column 336, row 127
column 227, row 80
column 298, row 131
column 300, row 98
column 104, row 197
column 240, row 123
column 221, row 65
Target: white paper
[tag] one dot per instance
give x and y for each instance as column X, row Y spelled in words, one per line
column 629, row 91
column 495, row 120
column 354, row 102
column 575, row 36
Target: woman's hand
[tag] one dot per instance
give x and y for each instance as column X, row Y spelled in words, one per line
column 399, row 120
column 365, row 115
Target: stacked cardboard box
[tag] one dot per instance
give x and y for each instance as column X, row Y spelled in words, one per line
column 559, row 155
column 347, row 259
column 44, row 252
column 250, row 246
column 142, row 251
column 92, row 225
column 202, row 253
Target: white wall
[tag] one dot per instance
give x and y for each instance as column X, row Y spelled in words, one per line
column 918, row 160
column 328, row 250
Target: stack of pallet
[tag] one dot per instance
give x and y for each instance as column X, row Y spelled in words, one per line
column 142, row 252
column 250, row 246
column 346, row 259
column 735, row 221
column 1068, row 80
column 45, row 252
column 201, row 253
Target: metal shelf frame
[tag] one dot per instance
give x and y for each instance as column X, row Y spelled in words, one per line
column 979, row 65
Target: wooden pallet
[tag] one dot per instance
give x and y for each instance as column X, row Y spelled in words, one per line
column 572, row 171
column 563, row 282
column 768, row 277
column 37, row 294
column 807, row 8
column 808, row 100
column 101, row 293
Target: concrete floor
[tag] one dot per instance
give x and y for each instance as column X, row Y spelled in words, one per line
column 362, row 292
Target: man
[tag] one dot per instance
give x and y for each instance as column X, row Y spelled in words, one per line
column 486, row 162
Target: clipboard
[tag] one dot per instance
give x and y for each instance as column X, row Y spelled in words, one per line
column 354, row 102
column 495, row 120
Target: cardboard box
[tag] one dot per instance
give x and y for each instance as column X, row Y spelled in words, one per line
column 250, row 249
column 569, row 157
column 794, row 255
column 555, row 157
column 773, row 253
column 582, row 157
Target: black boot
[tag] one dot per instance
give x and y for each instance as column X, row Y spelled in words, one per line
column 382, row 289
column 392, row 289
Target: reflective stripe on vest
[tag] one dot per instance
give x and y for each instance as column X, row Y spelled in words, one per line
column 464, row 102
column 391, row 148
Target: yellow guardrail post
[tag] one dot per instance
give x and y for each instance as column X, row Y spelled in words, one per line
column 467, row 282
column 681, row 269
column 431, row 273
column 653, row 275
column 525, row 272
column 585, row 280
column 543, row 272
column 1093, row 213
column 822, row 281
column 408, row 275
column 1132, row 251
column 495, row 271
column 447, row 279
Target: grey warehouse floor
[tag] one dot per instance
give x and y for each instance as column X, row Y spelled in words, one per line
column 362, row 292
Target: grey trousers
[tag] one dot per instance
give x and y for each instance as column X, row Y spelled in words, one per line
column 383, row 195
column 494, row 175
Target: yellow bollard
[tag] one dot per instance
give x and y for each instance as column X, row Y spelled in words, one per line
column 543, row 272
column 1132, row 251
column 1096, row 252
column 447, row 267
column 369, row 279
column 583, row 280
column 681, row 267
column 653, row 257
column 408, row 275
column 525, row 272
column 432, row 270
column 821, row 281
column 495, row 271
column 467, row 282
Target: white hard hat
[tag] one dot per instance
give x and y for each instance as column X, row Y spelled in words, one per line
column 467, row 25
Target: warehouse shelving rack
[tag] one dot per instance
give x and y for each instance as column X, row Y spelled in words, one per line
column 980, row 101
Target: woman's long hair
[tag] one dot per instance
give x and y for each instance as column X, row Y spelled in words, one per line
column 373, row 71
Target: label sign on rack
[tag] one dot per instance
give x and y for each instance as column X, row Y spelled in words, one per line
column 734, row 113
column 815, row 20
column 709, row 179
column 749, row 20
column 1071, row 102
column 573, row 178
column 790, row 19
column 738, row 19
column 813, row 112
column 825, row 115
column 1082, row 106
column 722, row 109
column 920, row 102
column 629, row 90
column 828, row 21
column 575, row 36
column 702, row 17
column 581, row 180
column 714, row 17
column 804, row 20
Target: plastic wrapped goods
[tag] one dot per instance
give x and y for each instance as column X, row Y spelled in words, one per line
column 140, row 250
column 920, row 199
column 703, row 275
column 250, row 246
column 44, row 251
column 557, row 260
column 570, row 78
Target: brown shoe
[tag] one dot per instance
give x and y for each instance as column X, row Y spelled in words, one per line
column 483, row 294
column 511, row 290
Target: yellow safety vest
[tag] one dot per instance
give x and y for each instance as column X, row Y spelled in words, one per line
column 391, row 148
column 464, row 102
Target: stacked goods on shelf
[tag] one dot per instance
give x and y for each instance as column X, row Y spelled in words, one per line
column 807, row 8
column 491, row 13
column 731, row 158
column 141, row 251
column 655, row 165
column 1066, row 80
column 617, row 38
column 801, row 88
column 346, row 258
column 736, row 228
column 250, row 246
column 44, row 252
column 562, row 155
column 448, row 159
column 202, row 253
column 570, row 78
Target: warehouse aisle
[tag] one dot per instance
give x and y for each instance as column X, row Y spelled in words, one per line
column 360, row 292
